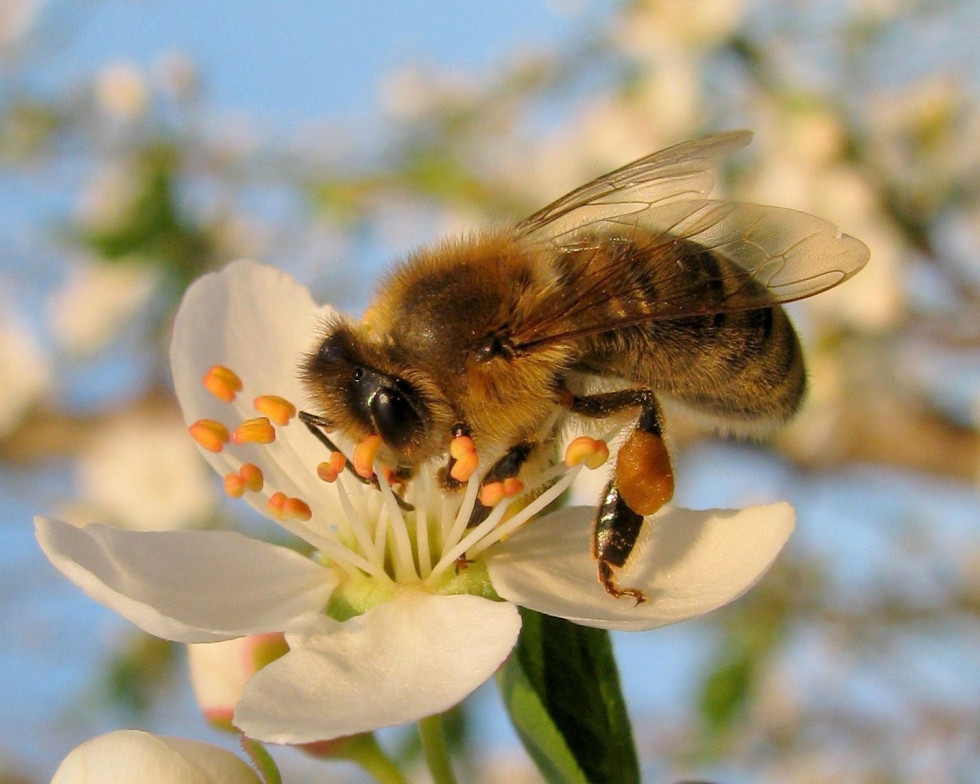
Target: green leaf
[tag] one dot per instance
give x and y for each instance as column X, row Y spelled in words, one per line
column 561, row 688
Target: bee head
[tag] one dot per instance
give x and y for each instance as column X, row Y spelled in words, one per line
column 358, row 388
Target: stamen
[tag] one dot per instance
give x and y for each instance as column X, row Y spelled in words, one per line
column 283, row 507
column 364, row 454
column 222, row 383
column 464, row 467
column 329, row 470
column 493, row 493
column 462, row 514
column 422, row 528
column 361, row 534
column 278, row 409
column 254, row 431
column 402, row 556
column 506, row 529
column 474, row 536
column 234, row 486
column 460, row 446
column 586, row 450
column 209, row 434
column 463, row 452
column 252, row 476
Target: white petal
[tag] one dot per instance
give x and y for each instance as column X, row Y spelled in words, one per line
column 127, row 756
column 687, row 562
column 412, row 657
column 258, row 322
column 188, row 586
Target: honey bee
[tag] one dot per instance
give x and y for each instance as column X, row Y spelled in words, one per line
column 636, row 276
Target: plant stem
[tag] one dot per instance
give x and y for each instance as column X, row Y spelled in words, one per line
column 436, row 751
column 367, row 752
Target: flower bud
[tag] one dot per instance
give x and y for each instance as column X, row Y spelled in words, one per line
column 126, row 756
column 220, row 670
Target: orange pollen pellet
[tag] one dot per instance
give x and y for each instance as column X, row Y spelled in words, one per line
column 278, row 409
column 252, row 476
column 254, row 431
column 461, row 445
column 464, row 466
column 222, row 383
column 234, row 486
column 329, row 470
column 364, row 454
column 209, row 434
column 586, row 450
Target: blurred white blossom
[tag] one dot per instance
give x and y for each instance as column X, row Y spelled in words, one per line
column 176, row 75
column 121, row 91
column 17, row 17
column 141, row 472
column 25, row 373
column 97, row 300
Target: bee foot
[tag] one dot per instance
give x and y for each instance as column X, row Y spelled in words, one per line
column 609, row 583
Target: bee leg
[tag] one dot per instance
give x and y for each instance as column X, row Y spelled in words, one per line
column 615, row 530
column 501, row 480
column 643, row 480
column 317, row 424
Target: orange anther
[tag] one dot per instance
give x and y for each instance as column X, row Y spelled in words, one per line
column 513, row 486
column 234, row 486
column 252, row 476
column 364, row 454
column 586, row 450
column 297, row 509
column 282, row 507
column 329, row 471
column 277, row 505
column 222, row 383
column 464, row 466
column 254, row 431
column 209, row 434
column 278, row 409
column 492, row 493
column 461, row 445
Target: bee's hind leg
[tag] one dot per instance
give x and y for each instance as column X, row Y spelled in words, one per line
column 643, row 481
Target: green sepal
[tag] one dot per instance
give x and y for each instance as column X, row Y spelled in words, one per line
column 561, row 689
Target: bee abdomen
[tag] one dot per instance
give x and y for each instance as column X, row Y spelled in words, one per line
column 739, row 363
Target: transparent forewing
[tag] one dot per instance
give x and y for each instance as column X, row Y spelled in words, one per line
column 791, row 254
column 759, row 256
column 681, row 172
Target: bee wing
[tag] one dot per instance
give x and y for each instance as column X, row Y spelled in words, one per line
column 773, row 254
column 679, row 172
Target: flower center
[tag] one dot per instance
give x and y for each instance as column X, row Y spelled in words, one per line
column 422, row 537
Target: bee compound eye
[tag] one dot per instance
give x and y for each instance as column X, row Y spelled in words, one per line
column 395, row 417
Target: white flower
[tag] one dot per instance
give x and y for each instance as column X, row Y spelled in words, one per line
column 142, row 472
column 385, row 624
column 128, row 756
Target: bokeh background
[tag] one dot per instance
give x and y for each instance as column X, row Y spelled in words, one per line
column 143, row 143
